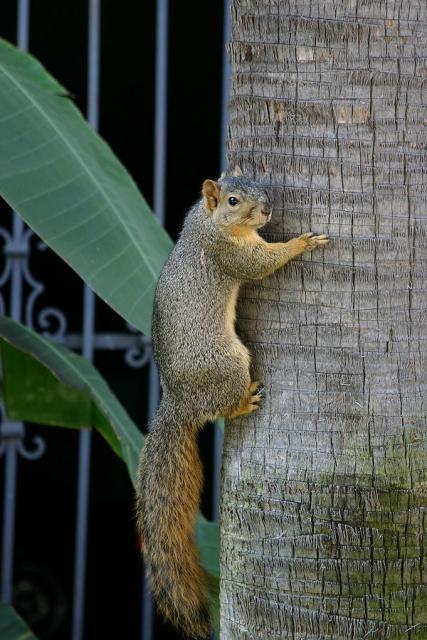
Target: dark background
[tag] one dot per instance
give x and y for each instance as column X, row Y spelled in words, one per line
column 46, row 496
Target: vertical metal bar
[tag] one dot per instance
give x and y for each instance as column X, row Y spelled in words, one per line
column 160, row 108
column 16, row 275
column 80, row 548
column 218, row 431
column 79, row 588
column 23, row 34
column 23, row 39
column 8, row 520
column 226, row 78
column 93, row 63
column 147, row 622
column 159, row 200
column 11, row 457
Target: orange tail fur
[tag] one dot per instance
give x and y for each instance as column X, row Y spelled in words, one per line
column 169, row 488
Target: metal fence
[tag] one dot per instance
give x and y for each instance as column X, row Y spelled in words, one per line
column 20, row 290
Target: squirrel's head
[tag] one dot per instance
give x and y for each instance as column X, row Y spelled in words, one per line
column 236, row 201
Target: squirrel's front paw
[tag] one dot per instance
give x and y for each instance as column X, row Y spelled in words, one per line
column 310, row 241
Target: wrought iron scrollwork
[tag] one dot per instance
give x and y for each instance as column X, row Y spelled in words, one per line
column 139, row 355
column 13, row 433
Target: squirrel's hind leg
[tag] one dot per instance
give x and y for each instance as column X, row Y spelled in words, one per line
column 228, row 392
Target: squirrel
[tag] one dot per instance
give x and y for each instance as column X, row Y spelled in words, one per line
column 205, row 373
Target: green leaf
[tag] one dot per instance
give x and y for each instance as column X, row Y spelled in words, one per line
column 12, row 627
column 67, row 184
column 207, row 535
column 208, row 542
column 45, row 383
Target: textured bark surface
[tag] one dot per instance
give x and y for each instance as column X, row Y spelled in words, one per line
column 324, row 489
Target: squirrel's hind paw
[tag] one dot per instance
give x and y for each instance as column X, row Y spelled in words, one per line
column 256, row 393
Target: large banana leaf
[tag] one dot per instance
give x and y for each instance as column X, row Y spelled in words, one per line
column 12, row 627
column 46, row 383
column 67, row 184
column 208, row 542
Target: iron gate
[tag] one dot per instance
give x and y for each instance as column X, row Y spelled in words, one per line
column 22, row 295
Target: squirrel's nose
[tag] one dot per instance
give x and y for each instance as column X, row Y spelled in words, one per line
column 266, row 211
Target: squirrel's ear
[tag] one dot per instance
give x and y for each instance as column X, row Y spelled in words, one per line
column 237, row 172
column 210, row 191
column 223, row 174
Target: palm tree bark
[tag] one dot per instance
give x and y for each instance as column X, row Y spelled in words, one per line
column 324, row 496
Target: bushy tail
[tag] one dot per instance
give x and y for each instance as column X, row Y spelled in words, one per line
column 169, row 489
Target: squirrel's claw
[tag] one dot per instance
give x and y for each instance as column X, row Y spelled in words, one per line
column 260, row 391
column 258, row 395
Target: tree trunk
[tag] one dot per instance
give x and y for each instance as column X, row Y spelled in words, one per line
column 323, row 523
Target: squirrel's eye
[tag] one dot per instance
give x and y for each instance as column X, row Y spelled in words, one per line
column 232, row 201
